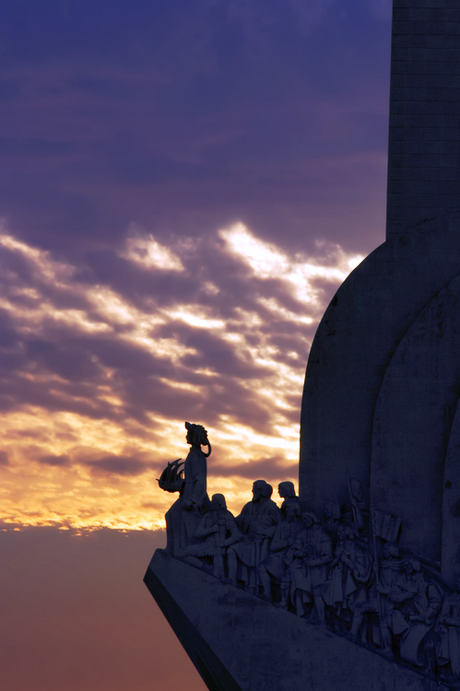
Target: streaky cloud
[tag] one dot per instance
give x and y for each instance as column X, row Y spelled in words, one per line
column 104, row 359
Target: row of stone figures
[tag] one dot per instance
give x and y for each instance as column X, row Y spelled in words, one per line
column 321, row 569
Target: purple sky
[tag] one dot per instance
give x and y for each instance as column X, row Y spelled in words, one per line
column 183, row 187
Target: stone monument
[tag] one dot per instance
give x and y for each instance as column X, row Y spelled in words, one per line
column 355, row 584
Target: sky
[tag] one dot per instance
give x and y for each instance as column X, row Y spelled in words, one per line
column 183, row 187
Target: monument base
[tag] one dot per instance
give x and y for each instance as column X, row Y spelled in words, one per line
column 239, row 642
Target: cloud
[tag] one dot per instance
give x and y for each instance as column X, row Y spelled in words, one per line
column 268, row 468
column 210, row 115
column 149, row 253
column 117, row 465
column 103, row 361
column 167, row 265
column 55, row 461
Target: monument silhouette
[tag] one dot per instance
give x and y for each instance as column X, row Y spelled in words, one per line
column 355, row 584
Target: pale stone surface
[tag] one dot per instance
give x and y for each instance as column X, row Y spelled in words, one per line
column 261, row 647
column 353, row 347
column 412, row 423
column 425, row 87
column 451, row 504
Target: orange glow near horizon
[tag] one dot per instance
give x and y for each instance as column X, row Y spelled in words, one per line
column 84, row 451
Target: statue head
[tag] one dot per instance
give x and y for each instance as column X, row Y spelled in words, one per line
column 292, row 511
column 218, row 501
column 332, row 510
column 286, row 490
column 356, row 489
column 344, row 530
column 261, row 490
column 309, row 518
column 411, row 566
column 196, row 435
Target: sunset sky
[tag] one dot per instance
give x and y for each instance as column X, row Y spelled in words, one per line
column 184, row 185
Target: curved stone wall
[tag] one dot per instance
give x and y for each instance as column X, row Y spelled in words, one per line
column 382, row 382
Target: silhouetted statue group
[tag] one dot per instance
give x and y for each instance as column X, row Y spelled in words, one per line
column 344, row 571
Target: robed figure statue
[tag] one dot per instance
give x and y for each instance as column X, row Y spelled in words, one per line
column 184, row 516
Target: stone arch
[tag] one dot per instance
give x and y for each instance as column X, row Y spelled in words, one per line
column 413, row 419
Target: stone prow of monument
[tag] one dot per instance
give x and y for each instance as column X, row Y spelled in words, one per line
column 239, row 642
column 380, row 402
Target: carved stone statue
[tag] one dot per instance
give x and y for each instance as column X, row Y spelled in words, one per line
column 184, row 516
column 308, row 571
column 349, row 572
column 319, row 570
column 331, row 517
column 257, row 521
column 281, row 553
column 217, row 530
column 359, row 505
column 377, row 602
column 286, row 491
column 448, row 630
column 415, row 603
column 195, row 468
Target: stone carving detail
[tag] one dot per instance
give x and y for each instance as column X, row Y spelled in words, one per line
column 195, row 470
column 217, row 530
column 274, row 573
column 257, row 522
column 172, row 477
column 349, row 572
column 286, row 491
column 308, row 570
column 345, row 572
column 189, row 479
column 447, row 644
